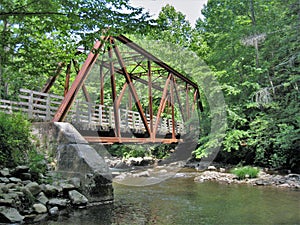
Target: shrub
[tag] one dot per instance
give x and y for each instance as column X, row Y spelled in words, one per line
column 16, row 146
column 246, row 171
column 162, row 151
column 127, row 151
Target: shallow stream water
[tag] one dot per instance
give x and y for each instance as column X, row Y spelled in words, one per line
column 182, row 201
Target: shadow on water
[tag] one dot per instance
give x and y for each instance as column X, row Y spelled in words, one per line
column 182, row 201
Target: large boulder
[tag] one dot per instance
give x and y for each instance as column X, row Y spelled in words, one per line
column 77, row 159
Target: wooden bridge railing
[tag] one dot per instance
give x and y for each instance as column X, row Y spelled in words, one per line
column 42, row 107
column 91, row 115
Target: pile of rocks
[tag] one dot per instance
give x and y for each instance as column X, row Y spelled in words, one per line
column 23, row 198
column 263, row 179
column 127, row 163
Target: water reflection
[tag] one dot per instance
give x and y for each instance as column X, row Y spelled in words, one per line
column 182, row 201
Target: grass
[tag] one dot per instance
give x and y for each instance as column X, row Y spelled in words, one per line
column 245, row 172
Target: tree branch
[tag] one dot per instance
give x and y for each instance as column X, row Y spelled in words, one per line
column 30, row 13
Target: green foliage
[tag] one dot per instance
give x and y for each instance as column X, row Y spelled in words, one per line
column 162, row 151
column 251, row 47
column 245, row 172
column 36, row 161
column 127, row 151
column 15, row 139
column 35, row 37
column 254, row 49
column 16, row 144
column 172, row 26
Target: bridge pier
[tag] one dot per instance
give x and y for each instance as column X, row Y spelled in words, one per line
column 76, row 159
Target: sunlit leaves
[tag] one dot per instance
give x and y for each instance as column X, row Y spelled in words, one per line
column 37, row 35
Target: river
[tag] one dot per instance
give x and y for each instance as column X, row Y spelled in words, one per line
column 183, row 201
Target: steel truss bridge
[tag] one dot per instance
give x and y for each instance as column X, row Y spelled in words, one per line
column 120, row 94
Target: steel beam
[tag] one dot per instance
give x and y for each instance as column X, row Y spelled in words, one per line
column 157, row 87
column 52, row 79
column 113, row 89
column 150, row 99
column 131, row 87
column 178, row 100
column 77, row 84
column 67, row 81
column 172, row 108
column 151, row 57
column 95, row 139
column 161, row 105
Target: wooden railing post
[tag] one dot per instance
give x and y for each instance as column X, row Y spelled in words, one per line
column 100, row 114
column 48, row 110
column 119, row 118
column 126, row 118
column 77, row 112
column 110, row 117
column 89, row 112
column 133, row 120
column 30, row 105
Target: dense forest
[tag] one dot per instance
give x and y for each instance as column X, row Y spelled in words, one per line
column 252, row 48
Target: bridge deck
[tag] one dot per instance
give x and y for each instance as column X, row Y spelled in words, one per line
column 87, row 116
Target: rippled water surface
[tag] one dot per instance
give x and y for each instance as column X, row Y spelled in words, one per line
column 182, row 201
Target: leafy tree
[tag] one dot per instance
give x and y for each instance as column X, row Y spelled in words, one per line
column 254, row 49
column 172, row 26
column 37, row 35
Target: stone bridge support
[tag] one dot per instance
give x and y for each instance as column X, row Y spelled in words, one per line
column 76, row 159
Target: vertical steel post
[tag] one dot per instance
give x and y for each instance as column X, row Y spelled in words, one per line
column 162, row 104
column 187, row 106
column 101, row 85
column 172, row 106
column 150, row 98
column 67, row 81
column 113, row 89
column 129, row 100
column 121, row 94
column 51, row 80
column 178, row 99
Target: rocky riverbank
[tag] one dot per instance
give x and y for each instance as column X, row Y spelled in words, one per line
column 24, row 198
column 263, row 179
column 133, row 168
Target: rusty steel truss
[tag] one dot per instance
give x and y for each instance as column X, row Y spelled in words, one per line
column 122, row 74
